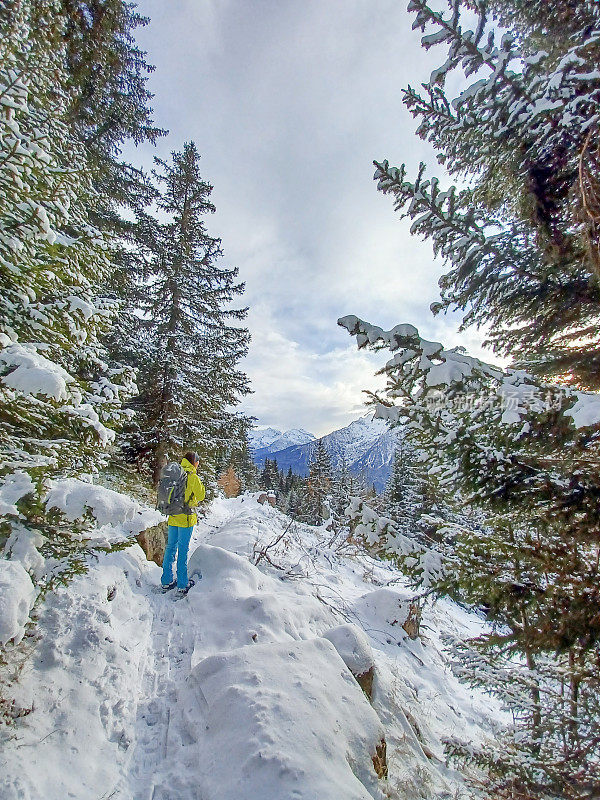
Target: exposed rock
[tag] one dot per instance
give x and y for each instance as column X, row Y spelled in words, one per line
column 380, row 760
column 153, row 542
column 355, row 651
column 269, row 498
column 365, row 681
column 413, row 621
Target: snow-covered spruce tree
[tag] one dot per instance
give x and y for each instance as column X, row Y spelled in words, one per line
column 404, row 495
column 59, row 399
column 289, row 489
column 317, row 495
column 246, row 469
column 521, row 240
column 231, row 444
column 344, row 486
column 109, row 106
column 236, row 455
column 528, row 454
column 110, row 101
column 269, row 476
column 189, row 348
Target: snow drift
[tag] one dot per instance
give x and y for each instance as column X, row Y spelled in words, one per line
column 285, row 721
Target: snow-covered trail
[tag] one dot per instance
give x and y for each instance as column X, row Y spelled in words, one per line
column 159, row 740
column 162, row 766
column 231, row 692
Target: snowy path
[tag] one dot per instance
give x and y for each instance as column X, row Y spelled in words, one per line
column 161, row 759
column 160, row 767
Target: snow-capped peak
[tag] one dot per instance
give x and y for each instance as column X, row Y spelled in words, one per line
column 275, row 440
column 355, row 437
column 263, row 437
column 291, row 437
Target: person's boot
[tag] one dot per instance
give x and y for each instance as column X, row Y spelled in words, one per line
column 165, row 587
column 183, row 592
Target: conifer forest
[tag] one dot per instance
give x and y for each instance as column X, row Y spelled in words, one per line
column 404, row 605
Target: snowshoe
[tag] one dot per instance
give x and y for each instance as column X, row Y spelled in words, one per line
column 165, row 587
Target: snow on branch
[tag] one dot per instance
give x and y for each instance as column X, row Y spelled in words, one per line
column 448, row 384
column 117, row 516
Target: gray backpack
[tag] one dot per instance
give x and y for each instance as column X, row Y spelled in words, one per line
column 170, row 497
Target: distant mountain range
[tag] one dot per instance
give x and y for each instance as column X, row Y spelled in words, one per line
column 366, row 446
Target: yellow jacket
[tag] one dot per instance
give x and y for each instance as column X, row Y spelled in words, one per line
column 194, row 494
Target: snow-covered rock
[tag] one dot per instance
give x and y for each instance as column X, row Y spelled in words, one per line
column 17, row 596
column 388, row 606
column 285, row 721
column 353, row 647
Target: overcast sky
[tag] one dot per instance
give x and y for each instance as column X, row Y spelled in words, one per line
column 289, row 102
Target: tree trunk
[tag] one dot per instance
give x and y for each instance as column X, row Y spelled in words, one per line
column 160, row 459
column 536, row 718
column 574, row 682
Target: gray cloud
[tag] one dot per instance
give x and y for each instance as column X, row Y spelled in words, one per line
column 289, row 103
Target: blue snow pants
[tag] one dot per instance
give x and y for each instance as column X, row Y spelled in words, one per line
column 178, row 542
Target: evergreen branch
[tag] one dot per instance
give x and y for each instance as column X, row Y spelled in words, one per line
column 465, row 46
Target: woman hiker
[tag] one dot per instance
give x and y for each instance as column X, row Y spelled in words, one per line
column 180, row 530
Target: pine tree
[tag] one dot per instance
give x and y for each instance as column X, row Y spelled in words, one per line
column 246, row 470
column 289, row 480
column 522, row 246
column 188, row 370
column 521, row 241
column 269, row 477
column 315, row 502
column 110, row 101
column 292, row 503
column 109, row 106
column 527, row 454
column 403, row 499
column 59, row 398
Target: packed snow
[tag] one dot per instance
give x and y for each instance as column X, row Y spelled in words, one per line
column 285, row 720
column 243, row 689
